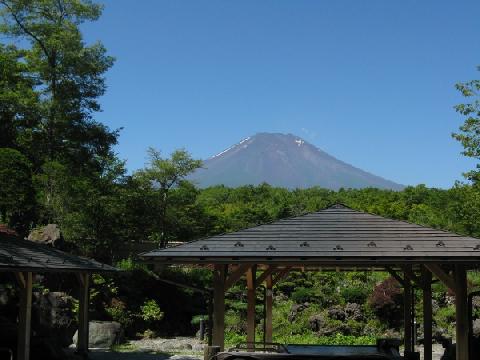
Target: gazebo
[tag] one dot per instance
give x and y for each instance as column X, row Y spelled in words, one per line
column 24, row 258
column 336, row 238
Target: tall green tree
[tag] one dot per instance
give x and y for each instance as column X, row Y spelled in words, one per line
column 158, row 179
column 18, row 102
column 68, row 74
column 50, row 86
column 469, row 134
column 16, row 190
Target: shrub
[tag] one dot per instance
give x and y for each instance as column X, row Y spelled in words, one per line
column 302, row 295
column 197, row 318
column 150, row 311
column 119, row 312
column 337, row 339
column 355, row 294
column 386, row 301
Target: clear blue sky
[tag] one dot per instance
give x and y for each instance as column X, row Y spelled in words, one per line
column 370, row 82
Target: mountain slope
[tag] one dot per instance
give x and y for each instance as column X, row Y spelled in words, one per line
column 283, row 160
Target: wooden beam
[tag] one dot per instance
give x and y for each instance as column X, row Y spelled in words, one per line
column 394, row 274
column 25, row 317
column 218, row 331
column 84, row 300
column 263, row 276
column 20, row 279
column 269, row 309
column 407, row 317
column 427, row 313
column 281, row 274
column 251, row 299
column 461, row 313
column 446, row 279
column 410, row 275
column 236, row 275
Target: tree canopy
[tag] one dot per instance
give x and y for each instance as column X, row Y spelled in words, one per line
column 469, row 135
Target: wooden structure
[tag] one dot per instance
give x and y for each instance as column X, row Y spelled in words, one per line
column 336, row 238
column 24, row 259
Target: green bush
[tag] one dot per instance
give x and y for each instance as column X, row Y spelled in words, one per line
column 150, row 311
column 197, row 318
column 445, row 317
column 337, row 339
column 302, row 295
column 355, row 294
column 119, row 313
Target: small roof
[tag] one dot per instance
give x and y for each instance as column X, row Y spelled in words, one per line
column 23, row 255
column 334, row 236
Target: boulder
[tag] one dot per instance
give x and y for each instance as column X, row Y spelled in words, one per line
column 316, row 322
column 476, row 328
column 336, row 312
column 354, row 311
column 103, row 334
column 48, row 235
column 295, row 310
column 54, row 318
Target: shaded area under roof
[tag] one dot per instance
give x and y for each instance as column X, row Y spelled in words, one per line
column 23, row 255
column 333, row 236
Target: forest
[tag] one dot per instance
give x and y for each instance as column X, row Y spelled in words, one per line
column 58, row 165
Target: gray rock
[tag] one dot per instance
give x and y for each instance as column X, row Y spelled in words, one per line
column 295, row 310
column 54, row 317
column 49, row 235
column 103, row 334
column 336, row 312
column 316, row 322
column 354, row 311
column 476, row 328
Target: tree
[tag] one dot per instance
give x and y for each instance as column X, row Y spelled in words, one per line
column 160, row 177
column 16, row 191
column 469, row 134
column 18, row 100
column 69, row 78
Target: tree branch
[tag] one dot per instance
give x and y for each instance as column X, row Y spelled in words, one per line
column 24, row 28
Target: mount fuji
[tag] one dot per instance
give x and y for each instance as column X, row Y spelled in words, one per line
column 283, row 160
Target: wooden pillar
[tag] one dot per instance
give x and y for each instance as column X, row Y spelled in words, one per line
column 427, row 313
column 25, row 315
column 83, row 304
column 407, row 315
column 218, row 331
column 269, row 310
column 461, row 312
column 210, row 319
column 251, row 299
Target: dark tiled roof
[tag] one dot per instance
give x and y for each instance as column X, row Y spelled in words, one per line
column 23, row 255
column 334, row 235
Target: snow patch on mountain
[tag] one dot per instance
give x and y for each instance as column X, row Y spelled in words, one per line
column 232, row 147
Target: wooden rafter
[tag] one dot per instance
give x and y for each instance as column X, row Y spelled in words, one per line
column 281, row 274
column 20, row 279
column 269, row 271
column 236, row 275
column 397, row 277
column 446, row 279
